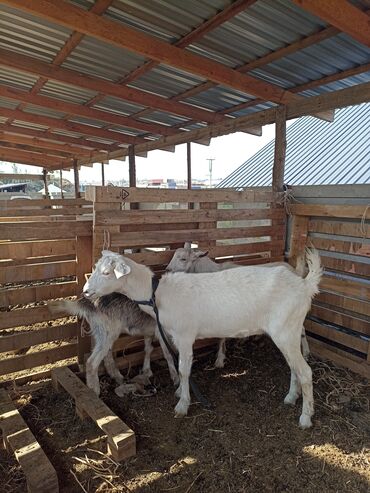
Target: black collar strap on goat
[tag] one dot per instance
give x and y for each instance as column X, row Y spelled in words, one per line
column 152, row 303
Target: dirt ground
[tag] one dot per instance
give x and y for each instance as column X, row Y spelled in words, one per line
column 249, row 443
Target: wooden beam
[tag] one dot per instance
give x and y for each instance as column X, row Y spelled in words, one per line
column 280, row 150
column 227, row 13
column 36, row 143
column 108, row 31
column 61, row 184
column 69, row 126
column 80, row 110
column 188, row 162
column 20, row 176
column 308, row 106
column 26, row 157
column 76, row 179
column 341, row 14
column 132, row 166
column 83, row 146
column 24, row 147
column 36, row 67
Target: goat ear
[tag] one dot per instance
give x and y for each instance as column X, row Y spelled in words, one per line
column 187, row 245
column 121, row 270
column 201, row 254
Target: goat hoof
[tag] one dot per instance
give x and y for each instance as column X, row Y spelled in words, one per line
column 290, row 400
column 305, row 421
column 181, row 409
column 148, row 373
column 219, row 364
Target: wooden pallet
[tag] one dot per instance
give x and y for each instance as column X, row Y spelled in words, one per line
column 121, row 441
column 17, row 437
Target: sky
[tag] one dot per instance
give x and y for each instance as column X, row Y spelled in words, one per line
column 229, row 152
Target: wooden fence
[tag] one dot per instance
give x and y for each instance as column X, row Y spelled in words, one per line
column 338, row 324
column 240, row 226
column 45, row 250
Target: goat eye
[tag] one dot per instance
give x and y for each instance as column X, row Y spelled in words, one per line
column 106, row 273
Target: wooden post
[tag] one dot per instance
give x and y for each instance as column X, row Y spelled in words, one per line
column 188, row 159
column 280, row 151
column 44, row 177
column 61, row 184
column 102, row 175
column 77, row 181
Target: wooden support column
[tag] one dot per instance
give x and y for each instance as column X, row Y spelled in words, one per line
column 280, row 151
column 61, row 184
column 102, row 175
column 278, row 171
column 132, row 172
column 77, row 180
column 188, row 159
column 44, row 177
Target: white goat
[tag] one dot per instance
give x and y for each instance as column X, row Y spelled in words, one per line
column 196, row 261
column 231, row 303
column 108, row 317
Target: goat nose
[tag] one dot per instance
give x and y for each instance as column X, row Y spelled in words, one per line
column 86, row 293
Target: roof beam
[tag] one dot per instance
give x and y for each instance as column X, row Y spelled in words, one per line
column 69, row 126
column 42, row 69
column 227, row 13
column 352, row 95
column 44, row 144
column 74, row 141
column 35, row 159
column 4, row 144
column 80, row 110
column 108, row 31
column 341, row 14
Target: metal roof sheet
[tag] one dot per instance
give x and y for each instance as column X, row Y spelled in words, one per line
column 318, row 153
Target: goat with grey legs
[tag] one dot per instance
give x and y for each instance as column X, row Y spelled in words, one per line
column 230, row 303
column 196, row 261
column 109, row 317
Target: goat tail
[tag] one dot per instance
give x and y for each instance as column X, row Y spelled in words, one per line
column 81, row 308
column 312, row 280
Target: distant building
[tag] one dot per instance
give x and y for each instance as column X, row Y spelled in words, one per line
column 14, row 187
column 318, row 153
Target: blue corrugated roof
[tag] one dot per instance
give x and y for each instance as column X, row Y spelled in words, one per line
column 318, row 153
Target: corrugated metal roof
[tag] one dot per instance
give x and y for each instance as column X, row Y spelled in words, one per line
column 318, row 153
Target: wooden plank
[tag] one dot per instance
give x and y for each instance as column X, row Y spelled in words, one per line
column 33, row 272
column 331, row 334
column 322, row 210
column 37, row 260
column 40, row 358
column 5, row 204
column 343, row 228
column 353, row 247
column 120, row 438
column 25, row 295
column 44, row 230
column 63, row 211
column 152, row 238
column 25, row 316
column 348, row 266
column 38, row 470
column 346, row 287
column 350, row 304
column 21, row 176
column 339, row 318
column 38, row 336
column 159, row 195
column 341, row 358
column 183, row 216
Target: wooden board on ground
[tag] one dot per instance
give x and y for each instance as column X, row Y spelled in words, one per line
column 121, row 439
column 40, row 474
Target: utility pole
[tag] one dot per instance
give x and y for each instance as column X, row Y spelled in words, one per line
column 210, row 165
